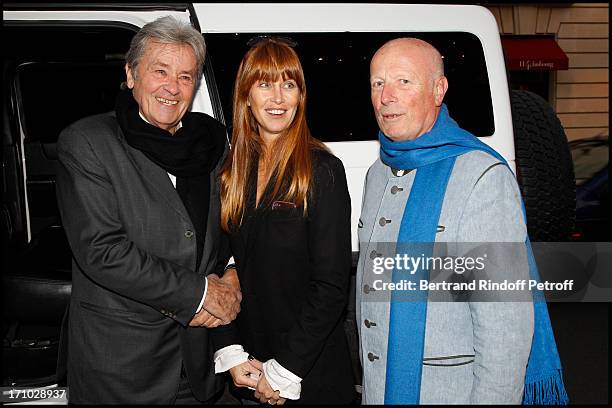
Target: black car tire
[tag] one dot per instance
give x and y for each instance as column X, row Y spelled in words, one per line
column 544, row 168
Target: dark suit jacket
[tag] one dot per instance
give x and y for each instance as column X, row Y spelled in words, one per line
column 134, row 284
column 294, row 274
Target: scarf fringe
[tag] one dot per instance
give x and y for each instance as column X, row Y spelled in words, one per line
column 545, row 391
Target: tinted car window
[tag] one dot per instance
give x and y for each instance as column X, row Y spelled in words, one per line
column 59, row 74
column 55, row 94
column 65, row 73
column 336, row 66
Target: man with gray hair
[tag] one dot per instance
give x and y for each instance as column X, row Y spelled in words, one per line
column 139, row 198
column 437, row 183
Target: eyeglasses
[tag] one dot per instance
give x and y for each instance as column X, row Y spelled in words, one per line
column 263, row 38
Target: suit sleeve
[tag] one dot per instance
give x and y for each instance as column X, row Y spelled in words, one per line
column 89, row 209
column 329, row 243
column 502, row 329
column 224, row 252
column 225, row 335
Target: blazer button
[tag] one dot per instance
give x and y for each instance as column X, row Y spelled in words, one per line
column 367, row 289
column 395, row 189
column 383, row 221
column 372, row 357
column 374, row 254
column 368, row 323
column 188, row 234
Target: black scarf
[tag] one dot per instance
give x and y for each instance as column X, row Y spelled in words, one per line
column 190, row 155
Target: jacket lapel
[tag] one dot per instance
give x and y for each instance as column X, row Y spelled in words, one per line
column 212, row 223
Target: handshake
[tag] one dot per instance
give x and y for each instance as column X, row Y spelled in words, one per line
column 251, row 374
column 222, row 301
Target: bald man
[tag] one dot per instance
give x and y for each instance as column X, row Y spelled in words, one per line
column 435, row 182
column 407, row 85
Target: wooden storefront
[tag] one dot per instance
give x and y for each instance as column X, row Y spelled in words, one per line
column 578, row 91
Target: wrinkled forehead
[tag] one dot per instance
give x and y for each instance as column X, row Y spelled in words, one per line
column 170, row 54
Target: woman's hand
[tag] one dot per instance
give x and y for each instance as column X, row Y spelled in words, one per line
column 245, row 375
column 263, row 390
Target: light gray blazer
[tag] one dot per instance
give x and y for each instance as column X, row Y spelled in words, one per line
column 482, row 204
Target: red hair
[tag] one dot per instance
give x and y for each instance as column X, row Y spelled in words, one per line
column 269, row 60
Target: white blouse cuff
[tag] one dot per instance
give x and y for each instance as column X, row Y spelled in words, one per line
column 283, row 380
column 228, row 357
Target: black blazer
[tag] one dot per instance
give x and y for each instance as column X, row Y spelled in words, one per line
column 134, row 284
column 294, row 274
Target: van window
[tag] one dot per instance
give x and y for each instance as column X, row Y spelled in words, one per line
column 55, row 94
column 59, row 73
column 336, row 67
column 65, row 73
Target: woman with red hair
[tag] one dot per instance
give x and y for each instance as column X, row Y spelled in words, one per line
column 286, row 208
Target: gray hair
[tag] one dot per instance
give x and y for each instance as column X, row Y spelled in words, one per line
column 167, row 30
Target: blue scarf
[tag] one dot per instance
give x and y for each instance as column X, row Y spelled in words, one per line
column 434, row 154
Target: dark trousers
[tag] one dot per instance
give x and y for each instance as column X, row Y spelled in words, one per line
column 184, row 395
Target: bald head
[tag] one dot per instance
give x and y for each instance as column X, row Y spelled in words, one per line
column 407, row 85
column 423, row 50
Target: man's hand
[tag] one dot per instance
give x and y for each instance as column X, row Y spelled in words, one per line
column 231, row 276
column 205, row 319
column 243, row 374
column 264, row 391
column 222, row 298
